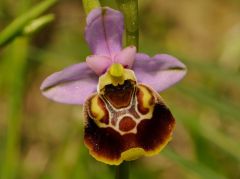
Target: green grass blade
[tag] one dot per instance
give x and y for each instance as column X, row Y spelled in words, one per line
column 224, row 107
column 16, row 27
column 194, row 168
column 17, row 60
column 210, row 133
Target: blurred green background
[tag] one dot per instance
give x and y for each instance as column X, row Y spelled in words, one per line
column 43, row 139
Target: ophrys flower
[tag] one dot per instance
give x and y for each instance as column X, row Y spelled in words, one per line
column 125, row 117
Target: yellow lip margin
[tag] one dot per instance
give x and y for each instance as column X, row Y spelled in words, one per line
column 130, row 154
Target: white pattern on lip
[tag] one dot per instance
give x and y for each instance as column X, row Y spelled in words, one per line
column 131, row 111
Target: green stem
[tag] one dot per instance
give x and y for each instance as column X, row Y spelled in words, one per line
column 16, row 62
column 130, row 11
column 122, row 171
column 89, row 5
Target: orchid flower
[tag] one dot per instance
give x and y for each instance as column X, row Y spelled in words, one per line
column 125, row 117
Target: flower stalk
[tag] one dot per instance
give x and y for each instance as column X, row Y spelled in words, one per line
column 130, row 10
column 122, row 171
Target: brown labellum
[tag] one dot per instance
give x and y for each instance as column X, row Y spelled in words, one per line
column 138, row 123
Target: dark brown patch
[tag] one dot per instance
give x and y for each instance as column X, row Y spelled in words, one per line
column 103, row 142
column 108, row 144
column 154, row 132
column 126, row 124
column 119, row 96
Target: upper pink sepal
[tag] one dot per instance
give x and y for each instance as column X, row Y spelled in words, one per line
column 104, row 31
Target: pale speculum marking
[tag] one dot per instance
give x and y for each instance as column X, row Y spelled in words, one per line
column 126, row 119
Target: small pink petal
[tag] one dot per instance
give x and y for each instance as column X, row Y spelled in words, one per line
column 99, row 64
column 126, row 57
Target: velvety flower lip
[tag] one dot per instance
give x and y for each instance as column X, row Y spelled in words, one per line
column 104, row 35
column 123, row 137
